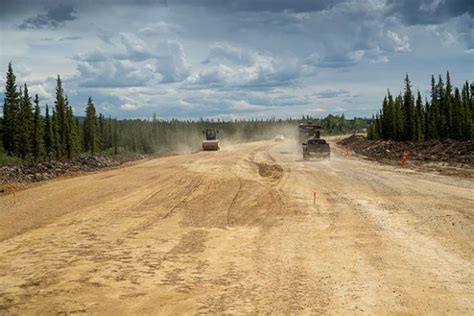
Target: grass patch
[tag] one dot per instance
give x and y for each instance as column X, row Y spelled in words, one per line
column 6, row 160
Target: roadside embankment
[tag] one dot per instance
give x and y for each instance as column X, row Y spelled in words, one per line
column 52, row 169
column 443, row 156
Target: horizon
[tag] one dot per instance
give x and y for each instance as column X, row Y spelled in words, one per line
column 234, row 59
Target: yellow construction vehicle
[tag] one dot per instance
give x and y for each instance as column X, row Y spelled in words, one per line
column 211, row 142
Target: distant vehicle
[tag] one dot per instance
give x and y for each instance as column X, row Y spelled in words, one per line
column 279, row 138
column 211, row 142
column 316, row 147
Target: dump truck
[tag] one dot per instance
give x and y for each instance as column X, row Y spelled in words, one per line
column 211, row 142
column 316, row 147
column 308, row 130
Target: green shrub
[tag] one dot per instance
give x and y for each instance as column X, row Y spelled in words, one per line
column 6, row 160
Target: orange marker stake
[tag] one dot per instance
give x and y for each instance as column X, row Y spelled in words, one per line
column 404, row 157
column 315, row 196
column 14, row 198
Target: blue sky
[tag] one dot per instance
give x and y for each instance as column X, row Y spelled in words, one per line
column 234, row 58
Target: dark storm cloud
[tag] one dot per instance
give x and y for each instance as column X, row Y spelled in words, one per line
column 8, row 7
column 261, row 5
column 410, row 12
column 53, row 18
column 200, row 58
column 15, row 7
column 413, row 12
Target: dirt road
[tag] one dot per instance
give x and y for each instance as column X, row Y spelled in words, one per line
column 236, row 231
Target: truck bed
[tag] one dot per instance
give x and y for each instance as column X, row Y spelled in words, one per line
column 316, row 148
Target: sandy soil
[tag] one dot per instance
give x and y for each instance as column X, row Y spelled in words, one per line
column 237, row 231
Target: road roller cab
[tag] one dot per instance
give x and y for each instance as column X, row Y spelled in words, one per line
column 211, row 142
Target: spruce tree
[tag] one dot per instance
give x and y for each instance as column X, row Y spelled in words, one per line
column 80, row 136
column 60, row 120
column 385, row 118
column 427, row 121
column 435, row 127
column 471, row 108
column 471, row 96
column 441, row 124
column 449, row 108
column 399, row 118
column 378, row 126
column 115, row 138
column 25, row 125
column 67, row 131
column 467, row 115
column 11, row 113
column 391, row 121
column 76, row 134
column 90, row 128
column 374, row 128
column 71, row 138
column 101, row 132
column 48, row 134
column 370, row 131
column 457, row 115
column 110, row 135
column 56, row 140
column 420, row 118
column 408, row 112
column 38, row 132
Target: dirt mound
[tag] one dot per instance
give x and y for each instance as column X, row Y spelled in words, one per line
column 447, row 151
column 267, row 170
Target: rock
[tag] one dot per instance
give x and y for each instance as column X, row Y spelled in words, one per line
column 50, row 169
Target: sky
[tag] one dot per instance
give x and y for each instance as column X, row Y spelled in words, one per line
column 230, row 59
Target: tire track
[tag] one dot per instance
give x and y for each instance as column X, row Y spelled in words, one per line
column 233, row 203
column 188, row 195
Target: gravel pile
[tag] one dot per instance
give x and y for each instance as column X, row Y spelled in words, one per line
column 51, row 169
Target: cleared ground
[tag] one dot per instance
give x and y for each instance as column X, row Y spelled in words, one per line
column 237, row 231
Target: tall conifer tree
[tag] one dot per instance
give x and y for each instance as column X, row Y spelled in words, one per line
column 90, row 128
column 408, row 112
column 38, row 132
column 60, row 120
column 11, row 113
column 419, row 118
column 25, row 126
column 48, row 134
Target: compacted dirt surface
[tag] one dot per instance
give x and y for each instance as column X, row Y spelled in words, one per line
column 237, row 231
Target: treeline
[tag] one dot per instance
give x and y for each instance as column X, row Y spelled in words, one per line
column 338, row 124
column 28, row 135
column 406, row 117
